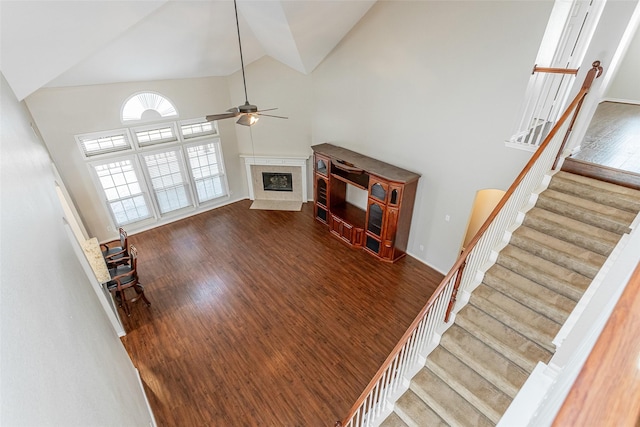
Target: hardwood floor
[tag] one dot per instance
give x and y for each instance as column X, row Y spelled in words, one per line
column 613, row 137
column 263, row 318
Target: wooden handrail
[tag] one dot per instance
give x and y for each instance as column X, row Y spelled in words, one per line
column 607, row 390
column 551, row 70
column 593, row 73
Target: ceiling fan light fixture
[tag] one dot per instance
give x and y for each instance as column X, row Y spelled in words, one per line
column 247, row 120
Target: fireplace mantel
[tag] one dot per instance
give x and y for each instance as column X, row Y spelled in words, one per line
column 275, row 161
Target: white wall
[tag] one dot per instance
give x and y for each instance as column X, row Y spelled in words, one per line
column 61, row 113
column 270, row 84
column 626, row 83
column 434, row 87
column 62, row 364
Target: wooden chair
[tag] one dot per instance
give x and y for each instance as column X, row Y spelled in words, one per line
column 124, row 277
column 116, row 255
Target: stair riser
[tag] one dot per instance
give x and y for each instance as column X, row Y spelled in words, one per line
column 554, row 306
column 541, row 335
column 581, row 265
column 590, row 242
column 594, row 194
column 615, row 225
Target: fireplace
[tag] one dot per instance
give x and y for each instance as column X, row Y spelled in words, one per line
column 276, row 178
column 275, row 181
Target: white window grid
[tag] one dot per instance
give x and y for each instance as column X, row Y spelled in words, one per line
column 107, row 142
column 196, row 128
column 162, row 133
column 166, row 174
column 125, row 196
column 201, row 165
column 207, row 170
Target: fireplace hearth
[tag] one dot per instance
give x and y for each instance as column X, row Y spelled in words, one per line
column 275, row 181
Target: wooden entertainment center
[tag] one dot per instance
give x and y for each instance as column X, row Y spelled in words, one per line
column 382, row 229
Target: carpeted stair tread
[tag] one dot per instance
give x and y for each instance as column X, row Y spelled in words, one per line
column 536, row 327
column 598, row 191
column 570, row 230
column 517, row 348
column 411, row 411
column 539, row 298
column 555, row 277
column 449, row 405
column 587, row 211
column 493, row 366
column 393, row 420
column 469, row 384
column 568, row 255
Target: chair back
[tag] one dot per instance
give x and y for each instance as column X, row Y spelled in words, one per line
column 123, row 238
column 133, row 256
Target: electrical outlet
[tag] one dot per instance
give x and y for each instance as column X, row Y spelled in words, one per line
column 422, row 248
column 447, row 217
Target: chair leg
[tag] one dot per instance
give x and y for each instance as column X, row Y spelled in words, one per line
column 140, row 291
column 125, row 304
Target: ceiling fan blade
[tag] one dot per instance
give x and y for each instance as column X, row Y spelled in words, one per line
column 271, row 115
column 221, row 116
column 233, row 110
column 268, row 109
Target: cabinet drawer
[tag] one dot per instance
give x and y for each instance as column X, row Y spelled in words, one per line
column 345, row 231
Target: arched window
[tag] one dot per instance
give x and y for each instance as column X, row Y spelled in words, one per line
column 147, row 106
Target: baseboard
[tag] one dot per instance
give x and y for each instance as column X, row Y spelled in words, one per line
column 417, row 258
column 152, row 422
column 621, row 101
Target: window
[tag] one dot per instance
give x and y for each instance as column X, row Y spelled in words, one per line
column 155, row 134
column 196, row 128
column 162, row 174
column 206, row 168
column 94, row 144
column 121, row 187
column 167, row 180
column 147, row 105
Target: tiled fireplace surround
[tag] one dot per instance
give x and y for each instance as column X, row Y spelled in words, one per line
column 296, row 166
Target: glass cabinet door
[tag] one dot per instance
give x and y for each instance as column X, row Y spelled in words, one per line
column 321, row 165
column 374, row 224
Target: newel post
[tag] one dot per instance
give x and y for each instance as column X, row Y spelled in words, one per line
column 454, row 293
column 592, row 74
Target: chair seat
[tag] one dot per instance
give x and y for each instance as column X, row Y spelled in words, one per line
column 112, row 251
column 122, row 269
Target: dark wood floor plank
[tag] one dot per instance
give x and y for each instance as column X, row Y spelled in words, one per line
column 263, row 318
column 613, row 137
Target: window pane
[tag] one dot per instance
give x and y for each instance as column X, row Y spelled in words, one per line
column 167, row 180
column 204, row 164
column 209, row 188
column 129, row 210
column 120, row 184
column 172, row 199
column 94, row 145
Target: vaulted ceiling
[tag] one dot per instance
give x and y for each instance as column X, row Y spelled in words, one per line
column 53, row 43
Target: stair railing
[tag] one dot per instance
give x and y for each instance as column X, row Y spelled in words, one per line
column 423, row 334
column 547, row 92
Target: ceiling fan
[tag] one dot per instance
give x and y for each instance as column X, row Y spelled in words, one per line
column 248, row 113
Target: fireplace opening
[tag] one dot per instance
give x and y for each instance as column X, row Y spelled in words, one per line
column 272, row 181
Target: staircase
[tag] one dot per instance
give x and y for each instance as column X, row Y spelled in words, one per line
column 497, row 339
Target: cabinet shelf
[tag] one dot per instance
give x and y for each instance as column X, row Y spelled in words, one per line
column 350, row 181
column 382, row 229
column 350, row 214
